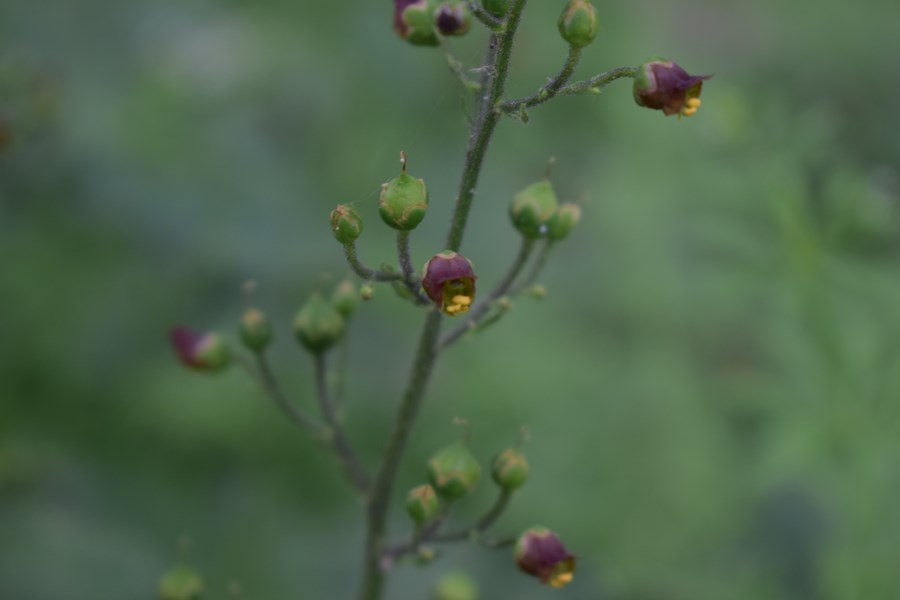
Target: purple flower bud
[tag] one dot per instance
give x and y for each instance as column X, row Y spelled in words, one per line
column 452, row 18
column 662, row 85
column 449, row 281
column 540, row 553
column 200, row 351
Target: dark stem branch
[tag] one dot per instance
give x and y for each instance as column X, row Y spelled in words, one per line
column 536, row 268
column 598, row 82
column 481, row 525
column 479, row 312
column 484, row 17
column 548, row 91
column 353, row 468
column 272, row 388
column 365, row 272
column 410, row 280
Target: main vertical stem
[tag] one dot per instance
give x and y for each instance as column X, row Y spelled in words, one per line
column 426, row 353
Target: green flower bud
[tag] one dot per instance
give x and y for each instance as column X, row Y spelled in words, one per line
column 318, row 325
column 414, row 22
column 452, row 18
column 404, row 200
column 453, row 471
column 563, row 221
column 510, row 469
column 200, row 351
column 256, row 331
column 181, row 583
column 498, row 8
column 367, row 291
column 422, row 504
column 537, row 292
column 345, row 298
column 532, row 208
column 578, row 23
column 455, row 585
column 346, row 223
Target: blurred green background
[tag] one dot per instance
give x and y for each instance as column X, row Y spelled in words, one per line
column 711, row 384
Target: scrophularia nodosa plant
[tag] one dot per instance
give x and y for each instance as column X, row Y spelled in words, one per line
column 445, row 294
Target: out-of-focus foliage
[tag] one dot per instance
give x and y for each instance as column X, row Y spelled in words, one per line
column 712, row 382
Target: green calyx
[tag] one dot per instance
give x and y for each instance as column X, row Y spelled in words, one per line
column 456, row 585
column 318, row 325
column 454, row 471
column 563, row 221
column 255, row 329
column 367, row 291
column 416, row 24
column 498, row 8
column 346, row 224
column 510, row 469
column 532, row 208
column 345, row 298
column 404, row 201
column 422, row 504
column 578, row 23
column 181, row 583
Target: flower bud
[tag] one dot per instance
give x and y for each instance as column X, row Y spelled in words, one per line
column 346, row 223
column 540, row 553
column 256, row 331
column 498, row 8
column 422, row 504
column 318, row 325
column 367, row 292
column 563, row 221
column 532, row 208
column 404, row 200
column 345, row 298
column 181, row 583
column 661, row 84
column 453, row 471
column 449, row 281
column 200, row 351
column 452, row 18
column 510, row 469
column 455, row 585
column 578, row 23
column 414, row 22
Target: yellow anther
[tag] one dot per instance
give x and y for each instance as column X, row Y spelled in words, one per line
column 689, row 111
column 451, row 309
column 693, row 102
column 462, row 300
column 561, row 580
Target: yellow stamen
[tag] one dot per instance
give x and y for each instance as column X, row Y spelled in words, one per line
column 451, row 309
column 463, row 300
column 689, row 111
column 693, row 102
column 561, row 580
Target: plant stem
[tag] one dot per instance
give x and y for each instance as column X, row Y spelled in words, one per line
column 595, row 83
column 551, row 89
column 406, row 267
column 482, row 524
column 427, row 351
column 486, row 18
column 479, row 311
column 536, row 269
column 353, row 468
column 270, row 385
column 365, row 272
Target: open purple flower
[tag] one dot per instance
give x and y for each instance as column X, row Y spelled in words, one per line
column 661, row 84
column 540, row 553
column 200, row 351
column 450, row 282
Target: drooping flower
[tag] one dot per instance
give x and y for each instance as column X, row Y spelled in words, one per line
column 661, row 84
column 200, row 351
column 449, row 281
column 540, row 553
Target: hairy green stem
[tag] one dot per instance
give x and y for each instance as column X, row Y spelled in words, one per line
column 365, row 272
column 270, row 385
column 410, row 280
column 597, row 82
column 548, row 91
column 482, row 524
column 479, row 312
column 486, row 18
column 536, row 268
column 427, row 351
column 353, row 468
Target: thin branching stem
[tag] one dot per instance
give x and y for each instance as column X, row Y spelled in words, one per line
column 412, row 283
column 484, row 17
column 536, row 268
column 352, row 466
column 549, row 90
column 478, row 313
column 365, row 272
column 260, row 370
column 597, row 82
column 481, row 525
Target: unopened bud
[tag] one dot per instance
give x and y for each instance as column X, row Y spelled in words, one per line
column 456, row 585
column 256, row 330
column 510, row 469
column 563, row 221
column 181, row 583
column 578, row 23
column 404, row 200
column 367, row 291
column 200, row 351
column 532, row 208
column 345, row 298
column 454, row 471
column 422, row 504
column 452, row 18
column 414, row 22
column 318, row 325
column 346, row 223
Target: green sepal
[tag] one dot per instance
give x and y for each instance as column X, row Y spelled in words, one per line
column 318, row 325
column 532, row 208
column 454, row 471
